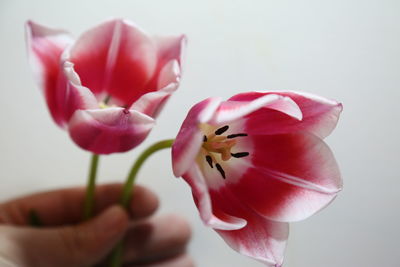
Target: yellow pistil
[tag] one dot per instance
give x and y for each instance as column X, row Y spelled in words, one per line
column 103, row 105
column 219, row 144
column 216, row 142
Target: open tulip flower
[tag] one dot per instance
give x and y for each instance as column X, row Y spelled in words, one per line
column 256, row 162
column 106, row 87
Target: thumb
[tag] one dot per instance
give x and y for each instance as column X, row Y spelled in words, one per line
column 82, row 245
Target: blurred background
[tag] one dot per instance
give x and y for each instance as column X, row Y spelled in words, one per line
column 345, row 50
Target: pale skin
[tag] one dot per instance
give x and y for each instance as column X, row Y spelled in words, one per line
column 65, row 241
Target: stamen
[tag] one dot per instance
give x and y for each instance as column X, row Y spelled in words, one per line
column 107, row 99
column 209, row 161
column 221, row 171
column 204, row 138
column 236, row 135
column 222, row 130
column 240, row 154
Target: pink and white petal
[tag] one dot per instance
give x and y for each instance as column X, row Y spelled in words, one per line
column 110, row 130
column 170, row 73
column 152, row 103
column 294, row 176
column 261, row 239
column 189, row 139
column 234, row 110
column 170, row 48
column 45, row 46
column 320, row 115
column 210, row 215
column 76, row 95
column 116, row 58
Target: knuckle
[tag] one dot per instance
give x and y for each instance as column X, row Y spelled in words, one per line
column 181, row 230
column 190, row 262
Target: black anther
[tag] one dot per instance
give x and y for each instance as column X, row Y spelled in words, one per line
column 221, row 171
column 222, row 130
column 236, row 135
column 240, row 154
column 209, row 160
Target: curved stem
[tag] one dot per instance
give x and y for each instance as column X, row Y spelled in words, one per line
column 90, row 187
column 115, row 257
column 127, row 190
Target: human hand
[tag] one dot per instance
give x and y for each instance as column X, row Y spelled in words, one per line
column 65, row 241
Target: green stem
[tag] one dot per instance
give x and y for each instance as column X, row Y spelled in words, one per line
column 130, row 180
column 90, row 188
column 115, row 257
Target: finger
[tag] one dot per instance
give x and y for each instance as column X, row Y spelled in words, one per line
column 64, row 206
column 144, row 202
column 157, row 239
column 80, row 245
column 182, row 260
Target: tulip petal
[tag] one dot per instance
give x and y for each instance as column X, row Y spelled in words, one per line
column 76, row 96
column 261, row 239
column 169, row 49
column 320, row 115
column 211, row 216
column 233, row 110
column 115, row 58
column 167, row 75
column 45, row 46
column 110, row 130
column 189, row 139
column 294, row 176
column 152, row 103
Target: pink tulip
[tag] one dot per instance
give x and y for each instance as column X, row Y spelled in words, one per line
column 107, row 86
column 256, row 162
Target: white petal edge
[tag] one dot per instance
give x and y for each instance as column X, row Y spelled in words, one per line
column 190, row 137
column 195, row 179
column 240, row 109
column 32, row 30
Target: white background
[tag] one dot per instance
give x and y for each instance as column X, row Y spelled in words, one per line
column 345, row 50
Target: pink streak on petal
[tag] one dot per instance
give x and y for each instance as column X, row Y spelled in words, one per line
column 210, row 215
column 76, row 95
column 105, row 131
column 232, row 110
column 320, row 115
column 189, row 139
column 166, row 77
column 169, row 49
column 116, row 58
column 45, row 46
column 261, row 239
column 169, row 74
column 152, row 103
column 294, row 176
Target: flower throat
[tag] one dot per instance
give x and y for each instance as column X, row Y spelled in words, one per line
column 221, row 144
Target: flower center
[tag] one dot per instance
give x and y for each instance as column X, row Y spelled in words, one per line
column 217, row 143
column 105, row 103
